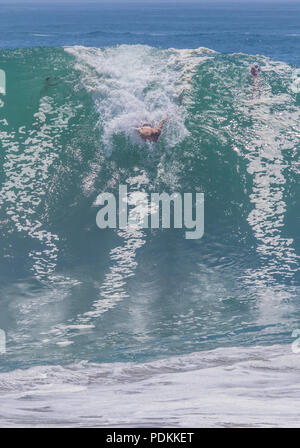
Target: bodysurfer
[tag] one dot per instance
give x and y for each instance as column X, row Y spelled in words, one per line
column 147, row 132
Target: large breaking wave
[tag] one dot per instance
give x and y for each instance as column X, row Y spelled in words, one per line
column 70, row 291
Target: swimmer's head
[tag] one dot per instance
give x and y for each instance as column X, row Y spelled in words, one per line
column 255, row 69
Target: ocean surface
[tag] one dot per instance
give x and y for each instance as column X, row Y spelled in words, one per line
column 141, row 327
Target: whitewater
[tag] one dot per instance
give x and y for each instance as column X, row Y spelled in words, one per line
column 226, row 388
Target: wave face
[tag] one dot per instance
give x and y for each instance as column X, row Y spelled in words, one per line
column 72, row 292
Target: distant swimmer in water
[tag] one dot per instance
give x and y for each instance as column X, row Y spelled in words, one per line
column 49, row 82
column 147, row 132
column 255, row 71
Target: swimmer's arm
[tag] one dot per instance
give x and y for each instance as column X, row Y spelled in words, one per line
column 160, row 126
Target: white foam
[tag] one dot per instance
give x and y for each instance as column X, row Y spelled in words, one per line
column 238, row 386
column 136, row 84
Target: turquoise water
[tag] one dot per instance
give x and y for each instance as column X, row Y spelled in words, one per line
column 72, row 293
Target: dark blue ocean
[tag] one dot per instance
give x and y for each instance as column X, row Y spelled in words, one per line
column 268, row 28
column 139, row 327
